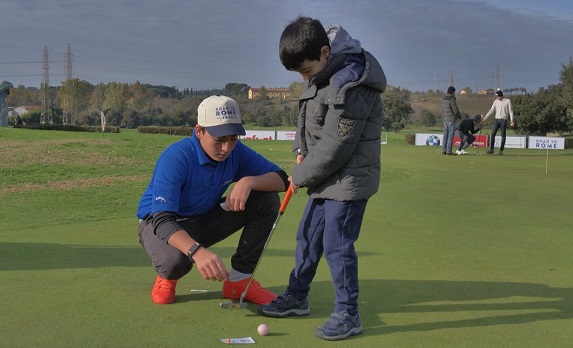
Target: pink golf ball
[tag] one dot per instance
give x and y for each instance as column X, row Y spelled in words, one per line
column 263, row 330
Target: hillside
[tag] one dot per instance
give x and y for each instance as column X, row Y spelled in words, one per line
column 471, row 104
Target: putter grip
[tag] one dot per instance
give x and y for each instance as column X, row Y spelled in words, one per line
column 286, row 199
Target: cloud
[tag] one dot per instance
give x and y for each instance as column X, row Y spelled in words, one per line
column 208, row 43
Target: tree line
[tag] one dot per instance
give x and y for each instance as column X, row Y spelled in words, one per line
column 549, row 110
column 131, row 105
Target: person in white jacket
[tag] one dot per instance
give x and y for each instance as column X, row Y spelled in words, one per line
column 502, row 108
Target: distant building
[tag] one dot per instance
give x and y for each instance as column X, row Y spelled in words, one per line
column 272, row 93
column 4, row 91
column 22, row 110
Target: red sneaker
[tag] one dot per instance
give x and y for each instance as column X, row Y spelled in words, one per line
column 164, row 290
column 256, row 293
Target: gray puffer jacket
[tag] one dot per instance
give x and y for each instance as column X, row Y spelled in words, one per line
column 450, row 110
column 339, row 124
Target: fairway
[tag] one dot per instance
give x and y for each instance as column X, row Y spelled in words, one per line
column 455, row 251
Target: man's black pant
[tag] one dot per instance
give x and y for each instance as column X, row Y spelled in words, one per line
column 261, row 211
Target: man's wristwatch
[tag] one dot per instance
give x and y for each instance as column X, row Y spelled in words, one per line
column 193, row 250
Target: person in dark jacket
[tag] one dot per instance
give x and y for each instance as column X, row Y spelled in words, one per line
column 467, row 129
column 337, row 149
column 450, row 115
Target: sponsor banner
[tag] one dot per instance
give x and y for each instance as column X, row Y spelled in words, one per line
column 546, row 143
column 258, row 135
column 429, row 139
column 481, row 141
column 268, row 135
column 511, row 142
column 286, row 135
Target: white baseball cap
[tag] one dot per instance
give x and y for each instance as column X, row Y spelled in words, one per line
column 221, row 116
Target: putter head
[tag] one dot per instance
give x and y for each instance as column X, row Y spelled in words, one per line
column 233, row 305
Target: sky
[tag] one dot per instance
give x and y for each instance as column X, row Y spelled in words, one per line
column 205, row 44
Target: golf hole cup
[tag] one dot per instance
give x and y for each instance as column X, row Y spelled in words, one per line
column 263, row 329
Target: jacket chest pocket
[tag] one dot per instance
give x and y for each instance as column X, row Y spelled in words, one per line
column 316, row 112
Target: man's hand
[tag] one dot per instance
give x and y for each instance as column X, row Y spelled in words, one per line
column 210, row 265
column 238, row 195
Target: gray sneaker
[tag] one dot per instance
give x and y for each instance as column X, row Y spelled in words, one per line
column 285, row 305
column 489, row 152
column 339, row 326
column 500, row 153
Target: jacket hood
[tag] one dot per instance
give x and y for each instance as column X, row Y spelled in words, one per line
column 348, row 62
column 341, row 41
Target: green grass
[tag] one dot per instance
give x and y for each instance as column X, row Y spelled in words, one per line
column 455, row 251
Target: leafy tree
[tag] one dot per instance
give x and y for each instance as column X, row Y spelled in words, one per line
column 130, row 119
column 397, row 109
column 549, row 110
column 233, row 89
column 22, row 96
column 541, row 113
column 264, row 118
column 114, row 117
column 428, row 119
column 97, row 97
column 116, row 96
column 185, row 112
column 289, row 116
column 138, row 97
column 296, row 89
column 566, row 78
column 75, row 95
column 264, row 93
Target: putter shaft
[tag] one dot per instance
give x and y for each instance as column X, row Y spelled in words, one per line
column 240, row 304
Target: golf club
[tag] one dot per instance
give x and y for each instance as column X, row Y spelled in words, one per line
column 241, row 304
column 479, row 136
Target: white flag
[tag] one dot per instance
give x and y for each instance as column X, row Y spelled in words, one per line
column 102, row 117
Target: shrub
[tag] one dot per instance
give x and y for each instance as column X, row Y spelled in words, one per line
column 69, row 128
column 183, row 131
column 410, row 139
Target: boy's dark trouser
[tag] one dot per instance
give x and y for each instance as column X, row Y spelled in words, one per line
column 467, row 140
column 497, row 124
column 331, row 227
column 261, row 211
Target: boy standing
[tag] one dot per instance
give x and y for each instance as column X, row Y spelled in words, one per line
column 180, row 215
column 337, row 149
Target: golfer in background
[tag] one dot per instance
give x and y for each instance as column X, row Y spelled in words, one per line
column 450, row 115
column 502, row 108
column 467, row 129
column 180, row 212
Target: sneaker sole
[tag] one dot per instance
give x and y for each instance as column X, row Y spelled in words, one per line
column 290, row 312
column 353, row 332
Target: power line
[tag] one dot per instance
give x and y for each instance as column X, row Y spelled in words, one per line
column 46, row 116
column 39, row 62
